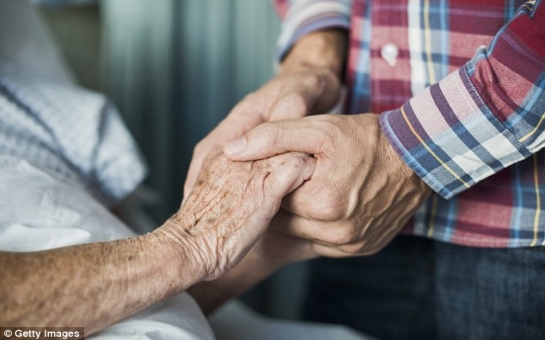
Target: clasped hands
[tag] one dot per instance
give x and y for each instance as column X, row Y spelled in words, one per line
column 357, row 198
column 360, row 193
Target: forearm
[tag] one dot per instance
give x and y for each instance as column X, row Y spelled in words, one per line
column 326, row 49
column 91, row 285
column 96, row 284
column 302, row 19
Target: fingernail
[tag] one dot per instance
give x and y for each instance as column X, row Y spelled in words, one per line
column 235, row 147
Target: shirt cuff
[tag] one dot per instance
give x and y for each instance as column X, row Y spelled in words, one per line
column 483, row 117
column 308, row 16
column 450, row 138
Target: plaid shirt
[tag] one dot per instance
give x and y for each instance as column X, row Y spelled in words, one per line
column 460, row 89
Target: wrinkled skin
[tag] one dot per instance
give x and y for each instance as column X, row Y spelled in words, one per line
column 232, row 204
column 361, row 193
column 308, row 83
column 97, row 284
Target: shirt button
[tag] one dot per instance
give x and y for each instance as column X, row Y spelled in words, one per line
column 389, row 52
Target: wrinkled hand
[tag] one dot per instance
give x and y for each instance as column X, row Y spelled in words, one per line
column 361, row 193
column 301, row 88
column 231, row 206
column 297, row 94
column 273, row 251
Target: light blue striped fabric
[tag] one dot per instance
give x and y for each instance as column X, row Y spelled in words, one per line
column 69, row 132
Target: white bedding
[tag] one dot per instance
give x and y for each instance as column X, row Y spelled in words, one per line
column 64, row 155
column 39, row 211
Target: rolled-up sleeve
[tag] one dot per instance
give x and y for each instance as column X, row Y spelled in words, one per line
column 301, row 17
column 482, row 118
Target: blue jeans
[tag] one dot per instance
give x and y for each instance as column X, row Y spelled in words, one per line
column 418, row 288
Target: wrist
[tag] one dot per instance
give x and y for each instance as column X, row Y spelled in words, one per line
column 181, row 252
column 323, row 49
column 394, row 161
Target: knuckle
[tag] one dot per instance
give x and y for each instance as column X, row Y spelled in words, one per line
column 201, row 147
column 341, row 236
column 327, row 210
column 334, row 124
column 270, row 133
column 290, row 105
column 314, row 81
column 349, row 235
column 295, row 163
column 297, row 102
column 328, row 132
column 247, row 103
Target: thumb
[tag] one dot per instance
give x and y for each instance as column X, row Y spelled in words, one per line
column 273, row 138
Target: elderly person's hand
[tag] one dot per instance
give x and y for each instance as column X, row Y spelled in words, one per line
column 361, row 193
column 94, row 285
column 308, row 83
column 231, row 206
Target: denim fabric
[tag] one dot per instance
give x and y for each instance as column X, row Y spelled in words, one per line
column 423, row 289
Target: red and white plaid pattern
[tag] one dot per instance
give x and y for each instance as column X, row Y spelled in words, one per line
column 460, row 89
